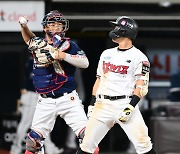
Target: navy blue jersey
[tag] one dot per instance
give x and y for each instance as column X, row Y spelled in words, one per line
column 46, row 80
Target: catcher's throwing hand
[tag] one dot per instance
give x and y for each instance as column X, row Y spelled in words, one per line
column 23, row 20
column 127, row 113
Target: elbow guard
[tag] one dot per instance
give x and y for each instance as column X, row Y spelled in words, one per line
column 143, row 90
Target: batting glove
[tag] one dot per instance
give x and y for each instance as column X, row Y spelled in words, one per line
column 127, row 113
column 90, row 109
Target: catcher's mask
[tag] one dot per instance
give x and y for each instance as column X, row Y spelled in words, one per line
column 55, row 16
column 124, row 27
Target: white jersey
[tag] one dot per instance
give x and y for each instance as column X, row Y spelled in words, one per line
column 117, row 70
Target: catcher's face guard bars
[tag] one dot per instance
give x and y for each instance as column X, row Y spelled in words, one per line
column 55, row 16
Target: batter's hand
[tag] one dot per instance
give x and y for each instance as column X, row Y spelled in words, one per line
column 127, row 113
column 90, row 109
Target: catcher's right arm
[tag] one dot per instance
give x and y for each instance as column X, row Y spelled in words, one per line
column 43, row 53
column 25, row 31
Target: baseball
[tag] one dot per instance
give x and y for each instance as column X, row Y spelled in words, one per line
column 23, row 20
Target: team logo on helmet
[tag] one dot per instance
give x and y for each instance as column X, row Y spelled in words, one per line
column 123, row 22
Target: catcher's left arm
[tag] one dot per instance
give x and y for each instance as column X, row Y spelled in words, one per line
column 42, row 51
column 45, row 54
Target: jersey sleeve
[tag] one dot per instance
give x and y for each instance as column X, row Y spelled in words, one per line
column 100, row 67
column 75, row 49
column 142, row 65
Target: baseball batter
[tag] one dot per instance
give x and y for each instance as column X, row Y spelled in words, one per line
column 55, row 60
column 122, row 80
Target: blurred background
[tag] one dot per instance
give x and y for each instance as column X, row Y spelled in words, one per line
column 158, row 38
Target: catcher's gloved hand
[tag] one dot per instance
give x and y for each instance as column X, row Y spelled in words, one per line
column 127, row 113
column 45, row 55
column 42, row 51
column 37, row 43
column 90, row 109
column 49, row 53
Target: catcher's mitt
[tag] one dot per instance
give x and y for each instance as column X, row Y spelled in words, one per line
column 42, row 51
column 45, row 54
column 37, row 43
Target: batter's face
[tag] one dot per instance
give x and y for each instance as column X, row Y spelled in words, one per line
column 124, row 42
column 118, row 40
column 55, row 27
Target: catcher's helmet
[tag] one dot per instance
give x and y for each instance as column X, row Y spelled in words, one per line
column 125, row 27
column 55, row 16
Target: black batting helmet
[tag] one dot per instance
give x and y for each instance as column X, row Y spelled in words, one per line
column 126, row 27
column 55, row 16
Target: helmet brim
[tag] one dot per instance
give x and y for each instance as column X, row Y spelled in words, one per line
column 113, row 23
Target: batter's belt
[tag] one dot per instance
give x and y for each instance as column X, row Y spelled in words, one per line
column 113, row 97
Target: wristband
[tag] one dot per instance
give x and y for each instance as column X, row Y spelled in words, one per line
column 135, row 99
column 93, row 100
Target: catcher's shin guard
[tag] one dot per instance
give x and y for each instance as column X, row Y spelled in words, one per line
column 81, row 135
column 39, row 152
column 28, row 152
column 34, row 143
column 152, row 151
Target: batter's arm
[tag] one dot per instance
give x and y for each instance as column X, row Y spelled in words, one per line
column 93, row 98
column 127, row 112
column 137, row 89
column 26, row 32
column 141, row 89
column 95, row 87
